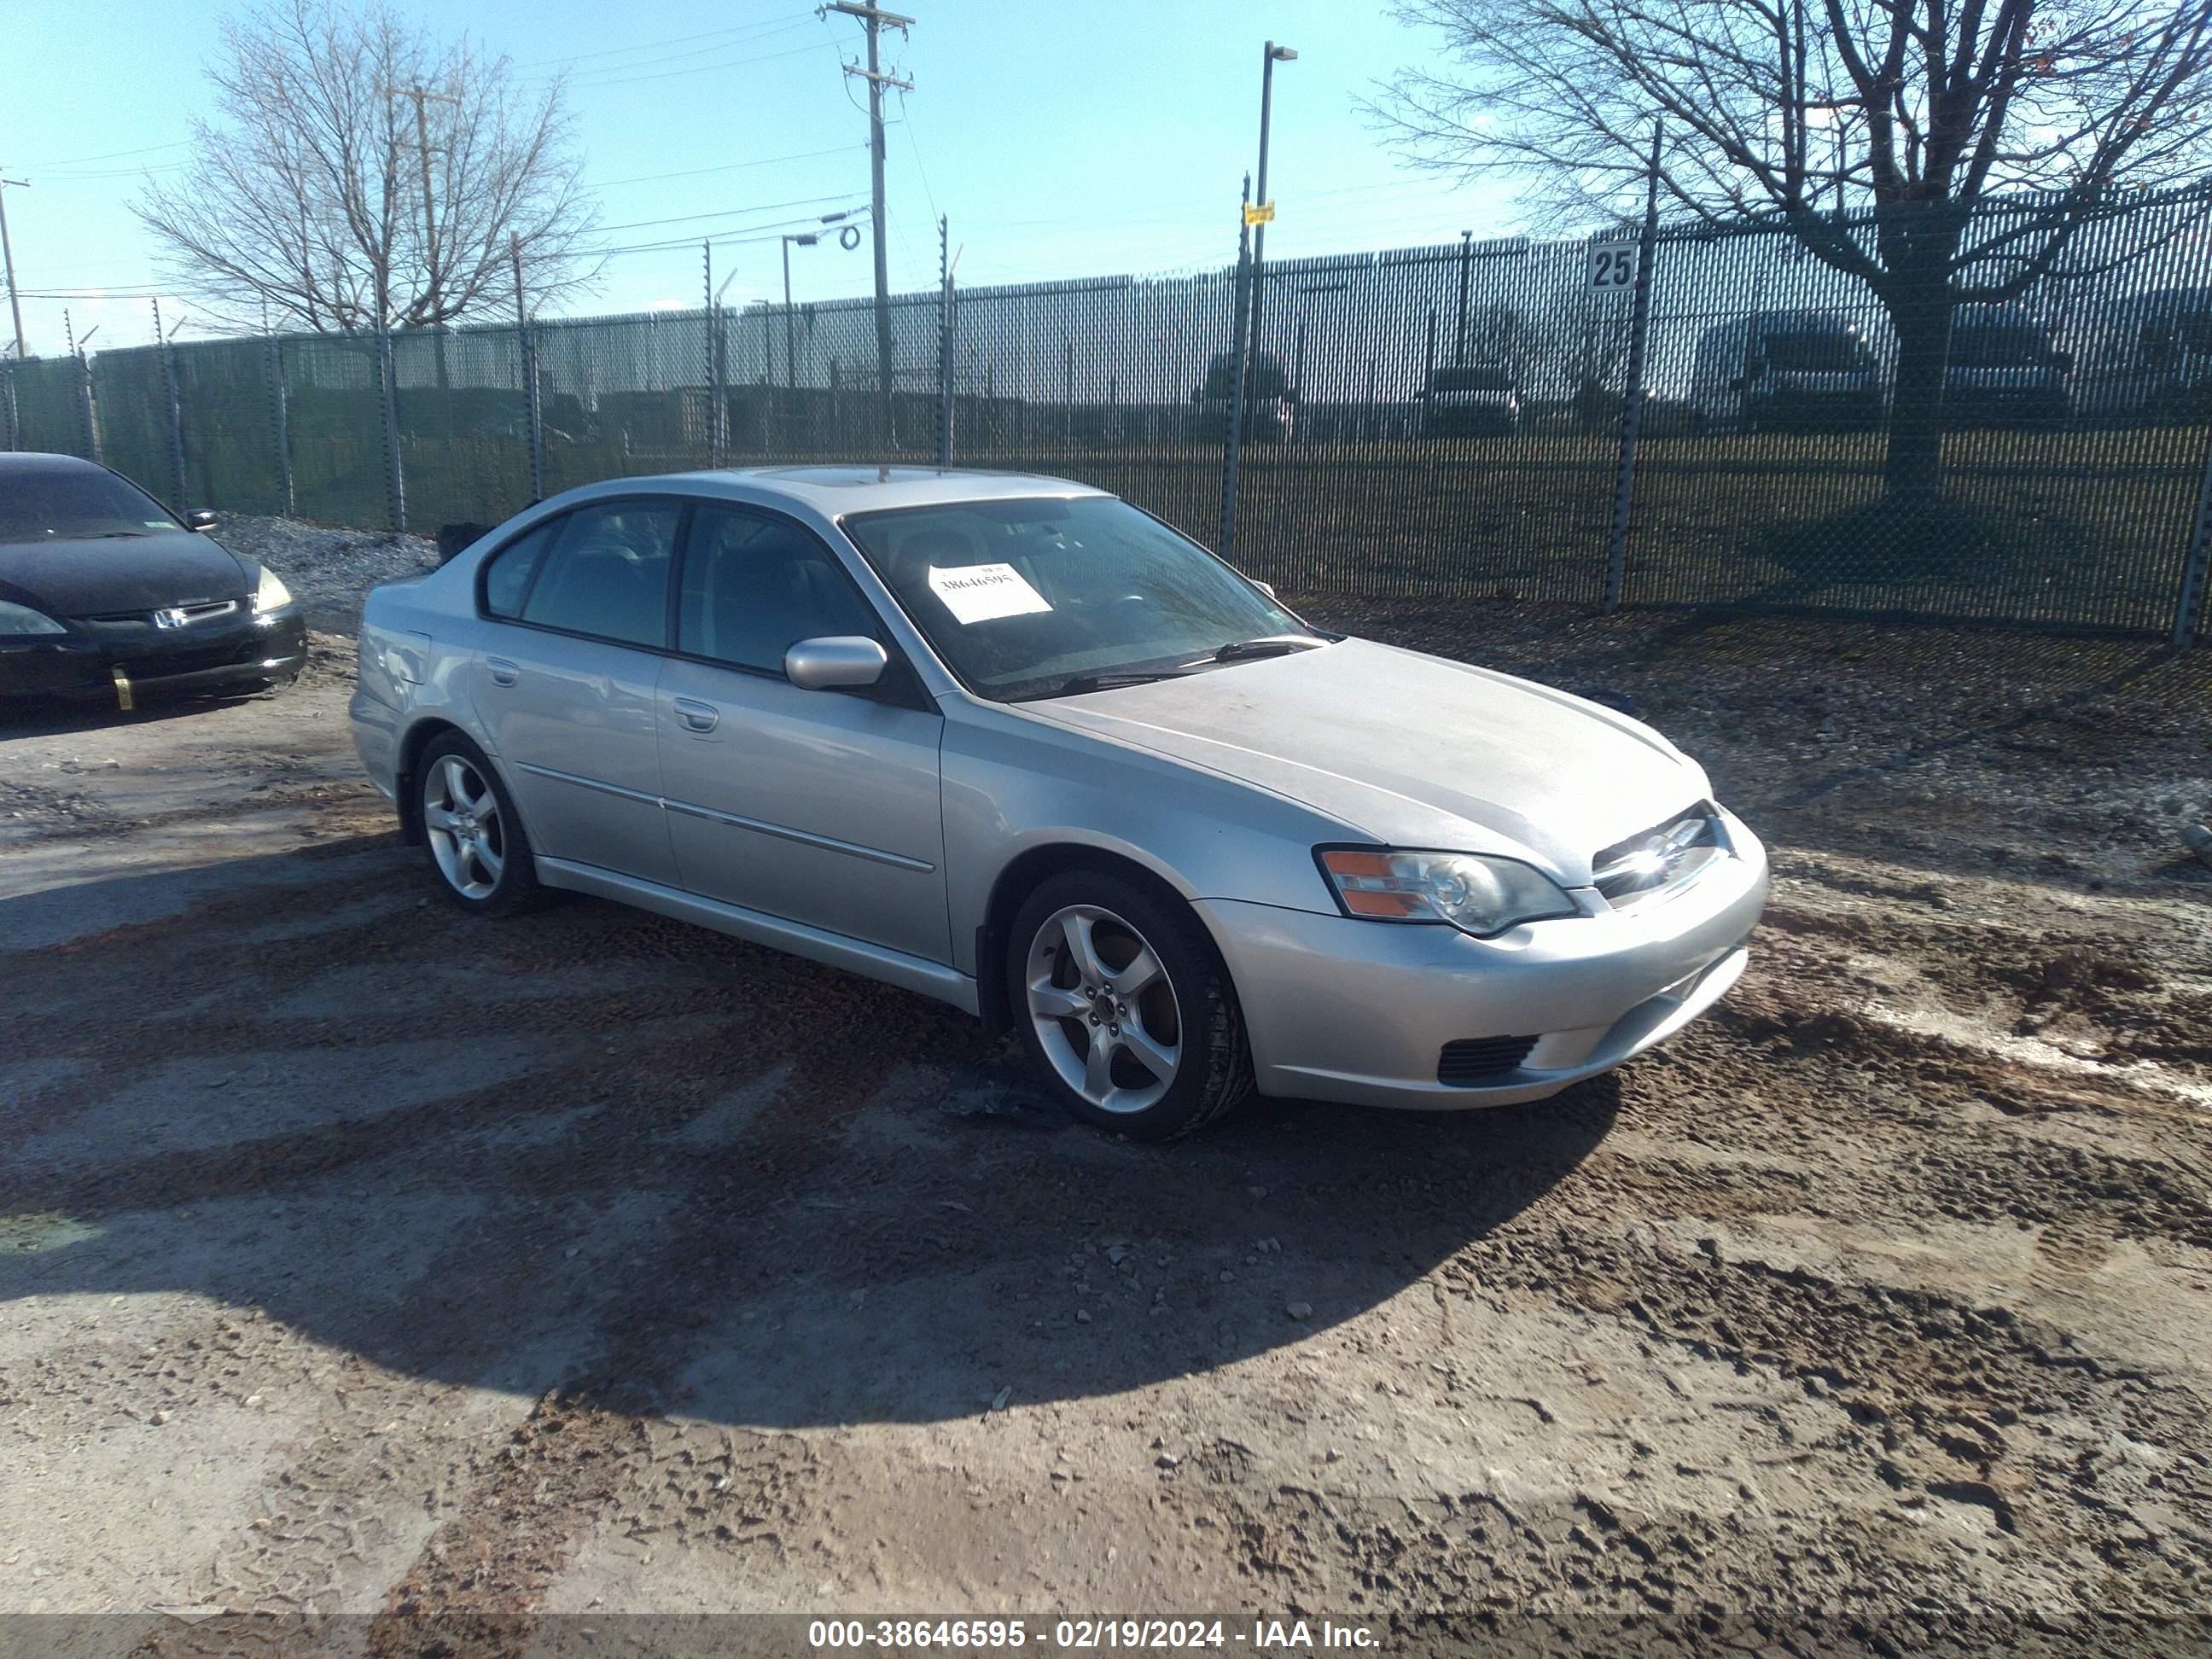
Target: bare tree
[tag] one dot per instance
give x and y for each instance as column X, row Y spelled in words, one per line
column 310, row 194
column 1791, row 110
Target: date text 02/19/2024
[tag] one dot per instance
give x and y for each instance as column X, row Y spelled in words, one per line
column 1081, row 1635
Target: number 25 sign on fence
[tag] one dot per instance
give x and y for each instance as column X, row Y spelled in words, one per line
column 1613, row 266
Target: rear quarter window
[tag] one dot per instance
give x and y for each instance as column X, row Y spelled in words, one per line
column 507, row 574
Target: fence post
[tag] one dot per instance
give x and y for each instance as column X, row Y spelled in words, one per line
column 2189, row 613
column 534, row 417
column 395, row 480
column 944, row 344
column 1230, row 452
column 1631, row 396
column 280, row 422
column 175, row 410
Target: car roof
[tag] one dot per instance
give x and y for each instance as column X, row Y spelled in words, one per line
column 834, row 490
column 46, row 463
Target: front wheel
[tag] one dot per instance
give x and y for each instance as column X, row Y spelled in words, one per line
column 1125, row 1007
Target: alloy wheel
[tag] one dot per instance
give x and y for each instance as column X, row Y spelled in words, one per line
column 1104, row 1009
column 461, row 819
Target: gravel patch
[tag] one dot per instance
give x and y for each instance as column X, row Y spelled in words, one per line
column 329, row 571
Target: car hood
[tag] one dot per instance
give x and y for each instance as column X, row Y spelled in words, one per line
column 101, row 578
column 1411, row 750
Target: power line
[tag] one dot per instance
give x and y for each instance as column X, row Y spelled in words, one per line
column 753, row 233
column 727, row 213
column 111, row 155
column 600, row 70
column 733, row 166
column 671, row 40
column 697, row 68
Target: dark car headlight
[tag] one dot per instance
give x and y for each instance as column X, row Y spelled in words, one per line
column 1477, row 894
column 271, row 594
column 20, row 621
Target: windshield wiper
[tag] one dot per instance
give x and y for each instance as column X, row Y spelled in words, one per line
column 1274, row 645
column 1075, row 685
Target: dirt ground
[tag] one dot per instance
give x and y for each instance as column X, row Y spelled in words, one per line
column 361, row 1257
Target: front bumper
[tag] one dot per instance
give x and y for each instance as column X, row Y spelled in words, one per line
column 247, row 652
column 1359, row 1012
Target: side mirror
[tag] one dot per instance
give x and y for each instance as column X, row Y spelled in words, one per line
column 836, row 660
column 200, row 520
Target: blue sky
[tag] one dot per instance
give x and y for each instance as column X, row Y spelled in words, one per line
column 1062, row 141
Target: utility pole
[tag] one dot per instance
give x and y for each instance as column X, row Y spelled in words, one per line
column 875, row 21
column 1272, row 56
column 422, row 95
column 8, row 253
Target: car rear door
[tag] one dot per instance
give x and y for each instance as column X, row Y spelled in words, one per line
column 819, row 807
column 577, row 622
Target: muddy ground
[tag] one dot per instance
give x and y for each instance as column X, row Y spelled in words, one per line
column 361, row 1257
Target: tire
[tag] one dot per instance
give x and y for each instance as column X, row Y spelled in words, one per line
column 1183, row 1017
column 477, row 851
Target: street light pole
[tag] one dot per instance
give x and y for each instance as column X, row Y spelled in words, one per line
column 1271, row 55
column 805, row 238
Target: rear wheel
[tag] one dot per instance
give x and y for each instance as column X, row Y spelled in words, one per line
column 479, row 853
column 1125, row 1007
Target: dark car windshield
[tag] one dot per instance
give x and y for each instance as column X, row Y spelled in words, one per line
column 1810, row 351
column 72, row 503
column 1022, row 597
column 1998, row 346
column 1472, row 379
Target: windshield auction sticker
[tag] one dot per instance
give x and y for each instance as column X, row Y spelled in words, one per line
column 984, row 592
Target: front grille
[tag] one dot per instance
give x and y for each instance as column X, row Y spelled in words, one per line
column 1657, row 858
column 1471, row 1060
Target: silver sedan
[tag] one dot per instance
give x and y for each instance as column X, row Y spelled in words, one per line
column 1013, row 744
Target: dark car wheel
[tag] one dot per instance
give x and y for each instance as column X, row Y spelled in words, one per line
column 479, row 853
column 1124, row 1007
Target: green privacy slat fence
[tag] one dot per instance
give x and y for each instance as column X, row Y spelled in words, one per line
column 1435, row 422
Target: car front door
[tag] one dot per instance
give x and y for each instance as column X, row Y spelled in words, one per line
column 578, row 619
column 819, row 807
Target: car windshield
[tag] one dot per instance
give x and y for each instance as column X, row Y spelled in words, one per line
column 1998, row 345
column 1813, row 352
column 74, row 504
column 1030, row 598
column 1472, row 380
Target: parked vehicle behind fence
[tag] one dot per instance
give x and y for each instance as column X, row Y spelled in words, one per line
column 2154, row 360
column 1786, row 371
column 1468, row 400
column 2005, row 369
column 1012, row 744
column 1270, row 400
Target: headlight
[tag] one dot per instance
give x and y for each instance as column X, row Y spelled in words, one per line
column 1478, row 895
column 272, row 595
column 17, row 620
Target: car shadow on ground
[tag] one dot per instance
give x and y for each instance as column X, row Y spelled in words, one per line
column 593, row 1150
column 46, row 718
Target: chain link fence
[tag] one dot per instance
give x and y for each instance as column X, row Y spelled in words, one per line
column 1442, row 422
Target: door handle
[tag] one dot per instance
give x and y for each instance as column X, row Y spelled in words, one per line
column 698, row 716
column 502, row 671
